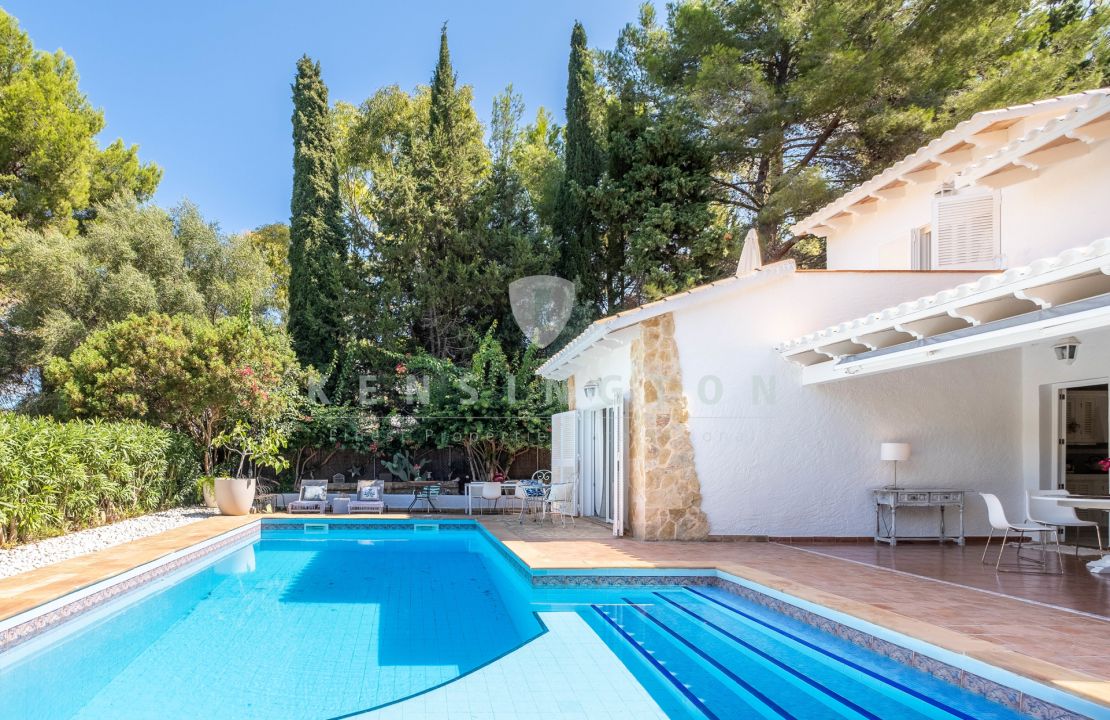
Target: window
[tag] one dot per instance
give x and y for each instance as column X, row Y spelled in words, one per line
column 921, row 248
column 966, row 231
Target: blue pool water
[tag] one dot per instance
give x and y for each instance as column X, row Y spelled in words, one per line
column 307, row 627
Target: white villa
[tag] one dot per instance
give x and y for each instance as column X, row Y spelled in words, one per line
column 965, row 312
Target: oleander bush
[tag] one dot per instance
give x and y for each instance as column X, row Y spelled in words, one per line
column 61, row 476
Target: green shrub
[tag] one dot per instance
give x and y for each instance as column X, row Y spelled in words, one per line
column 61, row 476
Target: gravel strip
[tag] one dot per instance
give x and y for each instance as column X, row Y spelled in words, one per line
column 45, row 552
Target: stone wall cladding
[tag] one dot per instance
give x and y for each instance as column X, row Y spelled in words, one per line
column 664, row 490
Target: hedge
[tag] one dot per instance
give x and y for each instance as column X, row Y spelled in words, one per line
column 61, row 476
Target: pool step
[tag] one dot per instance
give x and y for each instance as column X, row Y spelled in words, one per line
column 713, row 691
column 726, row 663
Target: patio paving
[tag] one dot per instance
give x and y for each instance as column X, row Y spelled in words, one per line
column 948, row 600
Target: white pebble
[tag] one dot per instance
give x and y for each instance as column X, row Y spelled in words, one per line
column 22, row 558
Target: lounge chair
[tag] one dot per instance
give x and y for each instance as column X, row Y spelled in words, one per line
column 313, row 497
column 369, row 497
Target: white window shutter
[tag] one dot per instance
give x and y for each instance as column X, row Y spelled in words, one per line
column 966, row 228
column 564, row 447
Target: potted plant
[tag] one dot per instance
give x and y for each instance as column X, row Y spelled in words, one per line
column 206, row 486
column 255, row 447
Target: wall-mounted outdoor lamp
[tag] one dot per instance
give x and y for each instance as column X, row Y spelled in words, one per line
column 1067, row 349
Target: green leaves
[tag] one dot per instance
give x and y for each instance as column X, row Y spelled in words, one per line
column 800, row 100
column 131, row 259
column 56, row 477
column 50, row 164
column 227, row 384
column 317, row 238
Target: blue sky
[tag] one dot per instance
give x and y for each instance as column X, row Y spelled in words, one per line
column 203, row 86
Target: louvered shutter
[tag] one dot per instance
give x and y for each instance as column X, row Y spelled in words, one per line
column 564, row 447
column 966, row 229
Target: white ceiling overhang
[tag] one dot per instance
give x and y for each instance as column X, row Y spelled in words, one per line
column 1056, row 296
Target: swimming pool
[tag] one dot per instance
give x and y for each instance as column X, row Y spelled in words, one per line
column 438, row 620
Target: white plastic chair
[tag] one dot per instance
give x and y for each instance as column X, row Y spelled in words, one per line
column 491, row 492
column 1043, row 508
column 997, row 517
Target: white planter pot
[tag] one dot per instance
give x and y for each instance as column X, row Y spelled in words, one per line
column 235, row 496
column 209, row 493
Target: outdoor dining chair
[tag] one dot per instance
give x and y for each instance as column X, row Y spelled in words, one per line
column 491, row 493
column 532, row 494
column 996, row 514
column 560, row 501
column 1044, row 509
column 426, row 494
column 313, row 497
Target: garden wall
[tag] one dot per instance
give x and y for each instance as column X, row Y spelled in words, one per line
column 439, row 462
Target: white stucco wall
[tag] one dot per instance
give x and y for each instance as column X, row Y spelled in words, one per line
column 1063, row 207
column 1040, row 371
column 610, row 368
column 775, row 458
column 881, row 240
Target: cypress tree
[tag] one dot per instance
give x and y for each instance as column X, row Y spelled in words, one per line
column 443, row 94
column 576, row 230
column 317, row 242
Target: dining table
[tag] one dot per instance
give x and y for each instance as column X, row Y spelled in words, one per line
column 474, row 489
column 1079, row 502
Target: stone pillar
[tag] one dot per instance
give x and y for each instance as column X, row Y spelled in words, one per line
column 664, row 491
column 572, row 401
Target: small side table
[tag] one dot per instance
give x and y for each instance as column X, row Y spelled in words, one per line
column 895, row 498
column 341, row 506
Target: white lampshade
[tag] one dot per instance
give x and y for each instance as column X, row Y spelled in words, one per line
column 898, row 452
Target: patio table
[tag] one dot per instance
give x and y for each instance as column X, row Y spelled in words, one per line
column 1102, row 565
column 507, row 488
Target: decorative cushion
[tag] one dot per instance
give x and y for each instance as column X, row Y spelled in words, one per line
column 314, row 493
column 370, row 493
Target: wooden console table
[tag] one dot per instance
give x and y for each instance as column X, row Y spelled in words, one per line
column 895, row 498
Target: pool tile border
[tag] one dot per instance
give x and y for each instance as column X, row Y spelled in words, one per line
column 1010, row 697
column 112, row 588
column 1003, row 694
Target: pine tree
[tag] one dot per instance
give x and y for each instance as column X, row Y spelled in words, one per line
column 575, row 226
column 317, row 242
